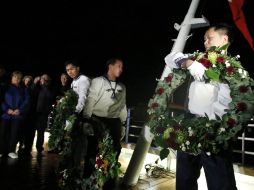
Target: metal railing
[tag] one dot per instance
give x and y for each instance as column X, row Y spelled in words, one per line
column 132, row 124
column 243, row 139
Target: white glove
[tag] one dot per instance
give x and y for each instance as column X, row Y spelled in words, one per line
column 175, row 59
column 197, row 70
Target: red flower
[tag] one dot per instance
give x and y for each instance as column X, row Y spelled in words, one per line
column 99, row 162
column 220, row 59
column 171, row 141
column 160, row 91
column 205, row 62
column 243, row 89
column 177, row 127
column 231, row 122
column 230, row 70
column 155, row 105
column 241, row 106
column 169, row 78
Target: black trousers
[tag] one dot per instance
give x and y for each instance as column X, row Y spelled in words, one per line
column 113, row 125
column 218, row 171
column 9, row 135
column 29, row 126
column 41, row 125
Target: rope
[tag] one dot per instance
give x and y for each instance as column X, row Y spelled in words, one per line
column 157, row 171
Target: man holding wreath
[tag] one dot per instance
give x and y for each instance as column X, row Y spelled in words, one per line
column 205, row 99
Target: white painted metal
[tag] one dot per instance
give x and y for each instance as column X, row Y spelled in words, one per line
column 143, row 144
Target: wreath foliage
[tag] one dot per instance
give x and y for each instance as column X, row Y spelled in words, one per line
column 65, row 130
column 197, row 134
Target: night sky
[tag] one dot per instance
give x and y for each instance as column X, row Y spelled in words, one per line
column 37, row 38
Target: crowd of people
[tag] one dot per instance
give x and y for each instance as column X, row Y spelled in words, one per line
column 26, row 102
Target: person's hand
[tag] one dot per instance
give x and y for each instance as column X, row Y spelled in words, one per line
column 10, row 111
column 16, row 112
column 175, row 59
column 197, row 70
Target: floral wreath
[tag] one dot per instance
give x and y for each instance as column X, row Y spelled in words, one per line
column 194, row 135
column 63, row 129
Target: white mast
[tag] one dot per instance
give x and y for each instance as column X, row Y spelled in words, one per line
column 143, row 144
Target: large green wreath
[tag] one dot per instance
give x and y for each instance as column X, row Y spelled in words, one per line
column 194, row 135
column 65, row 129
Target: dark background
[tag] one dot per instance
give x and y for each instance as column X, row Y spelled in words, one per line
column 38, row 37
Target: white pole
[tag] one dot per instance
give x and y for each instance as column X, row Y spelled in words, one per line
column 183, row 33
column 143, row 144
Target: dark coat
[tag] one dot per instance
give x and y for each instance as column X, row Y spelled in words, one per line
column 45, row 100
column 15, row 98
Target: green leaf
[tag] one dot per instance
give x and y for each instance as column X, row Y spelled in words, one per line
column 164, row 153
column 212, row 48
column 213, row 75
column 167, row 132
column 159, row 141
column 225, row 47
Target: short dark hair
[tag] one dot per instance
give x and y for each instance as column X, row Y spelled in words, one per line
column 226, row 29
column 72, row 62
column 112, row 61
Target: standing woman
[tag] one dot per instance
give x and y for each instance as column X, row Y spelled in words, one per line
column 13, row 106
column 29, row 119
